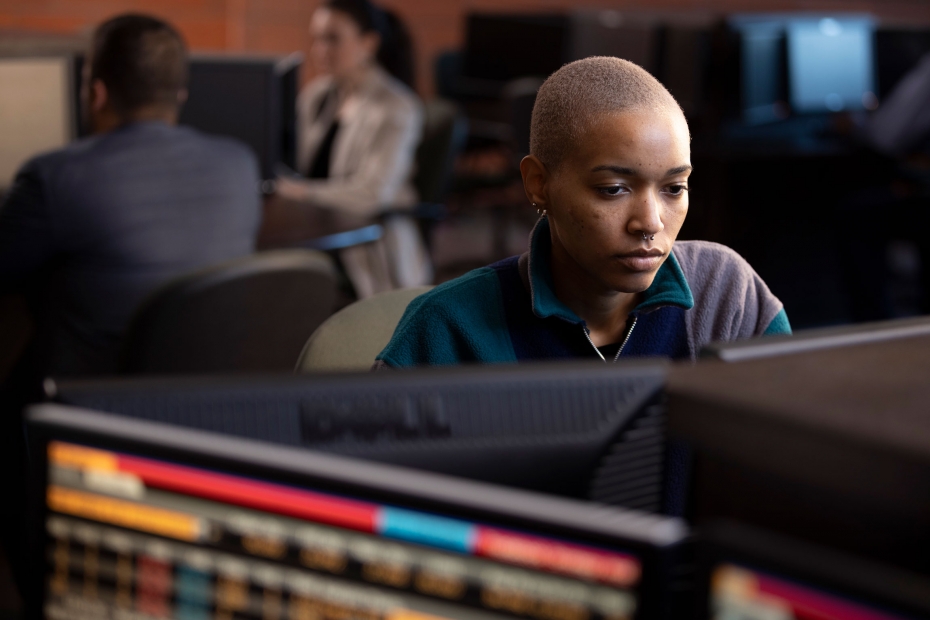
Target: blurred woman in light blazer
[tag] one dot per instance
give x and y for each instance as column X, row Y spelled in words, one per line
column 359, row 125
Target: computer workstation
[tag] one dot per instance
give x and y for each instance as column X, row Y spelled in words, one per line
column 815, row 454
column 170, row 522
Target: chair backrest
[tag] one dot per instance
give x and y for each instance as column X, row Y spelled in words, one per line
column 249, row 314
column 444, row 133
column 351, row 338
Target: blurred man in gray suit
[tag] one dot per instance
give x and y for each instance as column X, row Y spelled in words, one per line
column 87, row 232
column 90, row 230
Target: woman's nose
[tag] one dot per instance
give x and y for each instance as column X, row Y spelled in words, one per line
column 646, row 216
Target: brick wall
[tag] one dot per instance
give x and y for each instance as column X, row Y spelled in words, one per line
column 281, row 25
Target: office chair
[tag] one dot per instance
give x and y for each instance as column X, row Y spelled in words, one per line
column 351, row 338
column 444, row 133
column 249, row 314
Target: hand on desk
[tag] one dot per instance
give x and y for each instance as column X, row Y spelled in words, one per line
column 289, row 188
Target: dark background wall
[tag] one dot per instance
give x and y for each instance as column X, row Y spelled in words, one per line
column 281, row 25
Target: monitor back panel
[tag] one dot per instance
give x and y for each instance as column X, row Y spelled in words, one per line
column 830, row 446
column 574, row 430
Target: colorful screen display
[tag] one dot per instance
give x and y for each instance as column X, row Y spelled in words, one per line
column 739, row 593
column 136, row 538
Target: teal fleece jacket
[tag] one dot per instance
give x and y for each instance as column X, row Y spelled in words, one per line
column 508, row 311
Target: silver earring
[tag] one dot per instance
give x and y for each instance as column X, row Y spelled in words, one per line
column 538, row 210
column 648, row 237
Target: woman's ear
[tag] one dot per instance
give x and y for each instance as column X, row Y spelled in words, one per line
column 535, row 181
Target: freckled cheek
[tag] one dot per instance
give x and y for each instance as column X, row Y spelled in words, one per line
column 674, row 216
column 580, row 219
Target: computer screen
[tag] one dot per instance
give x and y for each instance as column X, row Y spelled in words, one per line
column 37, row 111
column 751, row 574
column 585, row 430
column 148, row 520
column 831, row 64
column 797, row 63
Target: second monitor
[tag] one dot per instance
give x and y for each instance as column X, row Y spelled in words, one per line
column 580, row 430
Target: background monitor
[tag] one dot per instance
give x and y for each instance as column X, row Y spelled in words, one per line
column 831, row 64
column 751, row 573
column 249, row 98
column 159, row 521
column 763, row 71
column 580, row 430
column 797, row 63
column 504, row 47
column 37, row 111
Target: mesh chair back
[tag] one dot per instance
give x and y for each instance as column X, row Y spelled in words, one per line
column 351, row 338
column 250, row 314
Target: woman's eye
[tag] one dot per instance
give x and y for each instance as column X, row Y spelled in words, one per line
column 611, row 190
column 677, row 189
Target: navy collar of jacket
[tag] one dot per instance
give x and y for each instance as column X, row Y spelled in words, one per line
column 669, row 288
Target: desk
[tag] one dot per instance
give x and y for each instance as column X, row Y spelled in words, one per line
column 295, row 224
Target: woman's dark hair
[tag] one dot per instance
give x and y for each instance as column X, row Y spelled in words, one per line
column 396, row 51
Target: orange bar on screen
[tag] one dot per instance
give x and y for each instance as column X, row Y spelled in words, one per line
column 126, row 514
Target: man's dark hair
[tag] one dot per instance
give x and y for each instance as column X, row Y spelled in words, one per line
column 141, row 60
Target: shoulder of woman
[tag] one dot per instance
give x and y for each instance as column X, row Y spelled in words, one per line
column 702, row 257
column 389, row 89
column 713, row 270
column 730, row 299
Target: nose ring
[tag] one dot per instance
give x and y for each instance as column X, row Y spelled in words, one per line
column 648, row 237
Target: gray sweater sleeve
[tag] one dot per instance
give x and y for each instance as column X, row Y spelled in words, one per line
column 730, row 299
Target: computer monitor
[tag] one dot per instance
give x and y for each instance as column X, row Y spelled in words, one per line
column 503, row 47
column 797, row 63
column 633, row 36
column 816, row 339
column 37, row 109
column 250, row 98
column 763, row 71
column 831, row 64
column 830, row 446
column 150, row 520
column 747, row 572
column 585, row 430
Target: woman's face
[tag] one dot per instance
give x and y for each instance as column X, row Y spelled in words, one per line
column 628, row 175
column 339, row 47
